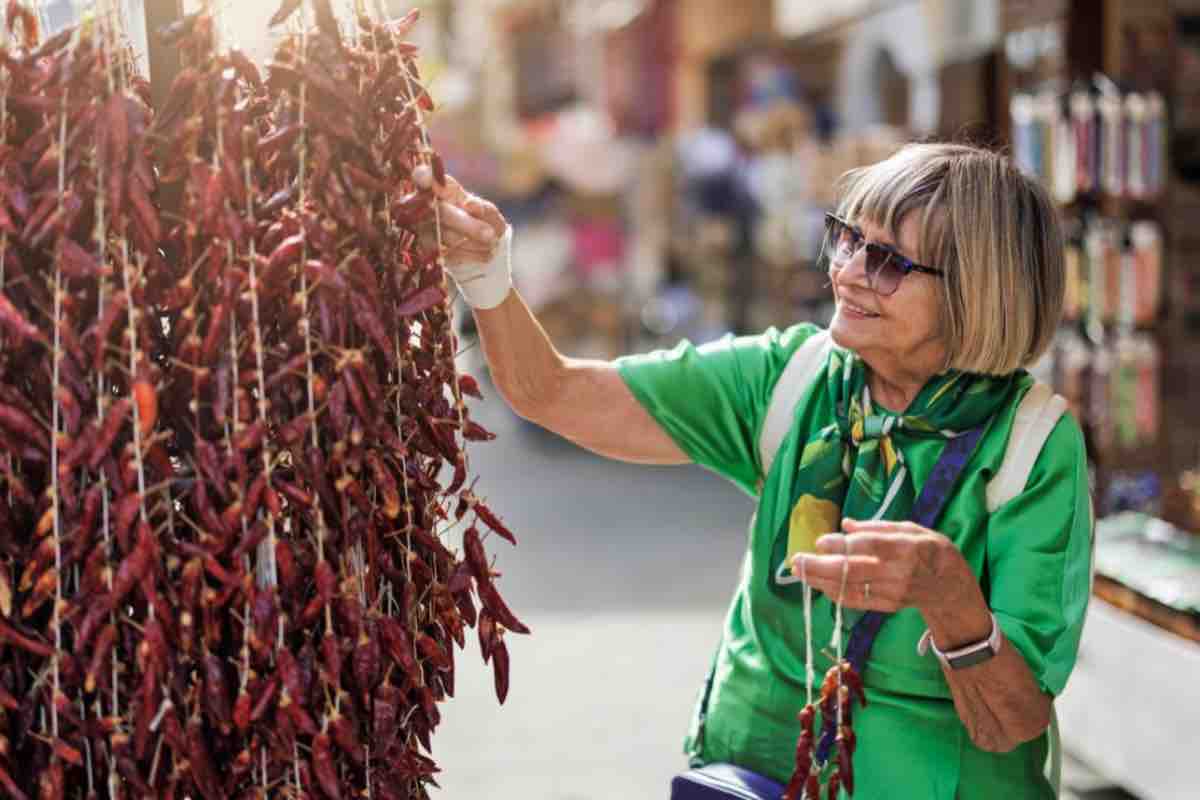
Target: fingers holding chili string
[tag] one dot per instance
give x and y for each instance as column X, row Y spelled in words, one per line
column 845, row 578
column 828, row 569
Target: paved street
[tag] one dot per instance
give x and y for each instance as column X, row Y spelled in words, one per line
column 623, row 573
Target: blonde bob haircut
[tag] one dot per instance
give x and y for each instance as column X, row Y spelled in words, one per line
column 991, row 229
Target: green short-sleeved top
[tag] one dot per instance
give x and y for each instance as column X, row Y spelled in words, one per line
column 1032, row 558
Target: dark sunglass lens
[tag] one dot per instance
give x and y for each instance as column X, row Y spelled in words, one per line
column 883, row 270
column 833, row 236
column 840, row 240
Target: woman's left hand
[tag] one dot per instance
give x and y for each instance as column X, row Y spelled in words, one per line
column 886, row 566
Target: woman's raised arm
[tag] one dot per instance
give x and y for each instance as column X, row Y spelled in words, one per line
column 581, row 400
column 585, row 401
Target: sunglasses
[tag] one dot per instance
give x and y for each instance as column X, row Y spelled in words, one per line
column 885, row 267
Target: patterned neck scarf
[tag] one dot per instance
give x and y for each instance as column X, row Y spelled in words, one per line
column 854, row 468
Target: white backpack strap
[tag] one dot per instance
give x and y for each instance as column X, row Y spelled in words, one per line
column 1039, row 412
column 800, row 371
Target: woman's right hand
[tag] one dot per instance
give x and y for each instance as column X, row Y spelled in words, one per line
column 467, row 226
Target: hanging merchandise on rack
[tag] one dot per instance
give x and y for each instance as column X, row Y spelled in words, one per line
column 1093, row 140
column 1114, row 272
column 1105, row 361
column 1146, row 271
column 1113, row 387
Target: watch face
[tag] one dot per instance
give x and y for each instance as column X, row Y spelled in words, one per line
column 971, row 659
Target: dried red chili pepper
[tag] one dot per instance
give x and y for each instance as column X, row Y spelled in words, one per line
column 10, row 786
column 420, row 301
column 439, row 169
column 15, row 321
column 323, row 767
column 398, row 644
column 492, row 521
column 845, row 768
column 216, row 693
column 100, row 652
column 434, row 652
column 833, row 787
column 20, row 423
column 109, row 430
column 500, row 668
column 133, row 567
column 497, row 608
column 241, row 710
column 50, row 783
column 850, row 678
column 202, row 768
column 793, row 788
column 264, row 699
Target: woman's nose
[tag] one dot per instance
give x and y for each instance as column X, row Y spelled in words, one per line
column 853, row 271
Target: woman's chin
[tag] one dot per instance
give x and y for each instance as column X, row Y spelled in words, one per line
column 849, row 333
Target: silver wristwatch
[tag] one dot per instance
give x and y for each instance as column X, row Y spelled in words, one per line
column 963, row 657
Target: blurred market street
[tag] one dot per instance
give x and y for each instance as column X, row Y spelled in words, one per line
column 623, row 573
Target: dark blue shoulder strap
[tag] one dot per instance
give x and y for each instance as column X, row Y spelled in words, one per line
column 934, row 495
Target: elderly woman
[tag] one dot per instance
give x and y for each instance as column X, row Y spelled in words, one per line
column 946, row 268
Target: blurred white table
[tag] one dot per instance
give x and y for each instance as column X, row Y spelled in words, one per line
column 1131, row 710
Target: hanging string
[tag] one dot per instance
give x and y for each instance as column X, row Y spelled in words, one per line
column 809, row 673
column 837, row 629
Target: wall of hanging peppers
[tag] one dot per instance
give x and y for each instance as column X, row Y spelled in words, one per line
column 232, row 436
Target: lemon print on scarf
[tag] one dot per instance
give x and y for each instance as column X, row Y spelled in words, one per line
column 811, row 519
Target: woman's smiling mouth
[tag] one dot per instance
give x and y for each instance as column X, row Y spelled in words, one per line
column 856, row 310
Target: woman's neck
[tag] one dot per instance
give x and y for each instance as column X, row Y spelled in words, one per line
column 895, row 390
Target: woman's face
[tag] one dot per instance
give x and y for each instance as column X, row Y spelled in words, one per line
column 897, row 334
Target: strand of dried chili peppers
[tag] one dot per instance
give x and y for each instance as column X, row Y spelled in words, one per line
column 246, row 406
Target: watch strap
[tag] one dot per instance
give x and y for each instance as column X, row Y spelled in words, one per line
column 968, row 655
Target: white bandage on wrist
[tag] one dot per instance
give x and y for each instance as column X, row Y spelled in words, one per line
column 486, row 286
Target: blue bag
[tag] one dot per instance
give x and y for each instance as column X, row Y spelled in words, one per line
column 723, row 781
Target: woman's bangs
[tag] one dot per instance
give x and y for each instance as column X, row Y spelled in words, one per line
column 887, row 192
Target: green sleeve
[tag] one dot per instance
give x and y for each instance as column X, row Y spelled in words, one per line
column 1039, row 559
column 711, row 400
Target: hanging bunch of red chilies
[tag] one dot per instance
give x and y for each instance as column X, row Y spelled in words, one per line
column 840, row 688
column 231, row 433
